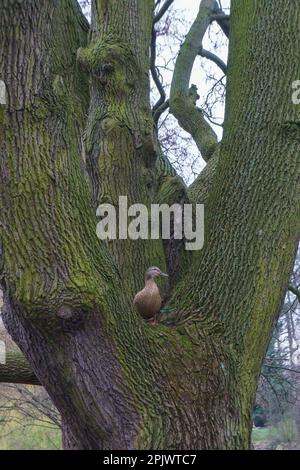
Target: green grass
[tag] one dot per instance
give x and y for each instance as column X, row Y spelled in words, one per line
column 29, row 435
column 284, row 431
column 264, row 434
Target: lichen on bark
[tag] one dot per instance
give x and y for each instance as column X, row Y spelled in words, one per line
column 77, row 131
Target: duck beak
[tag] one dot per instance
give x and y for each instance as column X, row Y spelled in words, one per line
column 164, row 274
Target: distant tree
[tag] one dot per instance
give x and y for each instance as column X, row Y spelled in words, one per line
column 279, row 384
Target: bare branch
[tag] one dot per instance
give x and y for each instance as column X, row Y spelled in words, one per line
column 162, row 11
column 283, row 368
column 17, row 370
column 154, row 72
column 223, row 21
column 266, row 378
column 30, row 403
column 160, row 111
column 295, row 291
column 214, row 58
column 182, row 98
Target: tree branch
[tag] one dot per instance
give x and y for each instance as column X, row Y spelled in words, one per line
column 295, row 291
column 223, row 21
column 182, row 99
column 283, row 368
column 154, row 72
column 214, row 58
column 160, row 111
column 162, row 11
column 17, row 370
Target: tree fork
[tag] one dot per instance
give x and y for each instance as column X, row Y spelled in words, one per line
column 117, row 382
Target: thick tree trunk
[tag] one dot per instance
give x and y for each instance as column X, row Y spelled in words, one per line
column 118, row 382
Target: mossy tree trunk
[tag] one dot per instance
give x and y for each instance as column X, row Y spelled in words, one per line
column 66, row 146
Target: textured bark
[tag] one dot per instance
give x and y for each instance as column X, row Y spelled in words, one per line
column 252, row 223
column 17, row 370
column 118, row 382
column 120, row 141
column 200, row 189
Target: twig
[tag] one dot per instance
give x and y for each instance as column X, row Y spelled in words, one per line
column 162, row 11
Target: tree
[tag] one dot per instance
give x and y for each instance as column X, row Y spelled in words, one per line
column 67, row 146
column 277, row 394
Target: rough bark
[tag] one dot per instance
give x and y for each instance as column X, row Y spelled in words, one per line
column 17, row 370
column 252, row 223
column 120, row 141
column 118, row 382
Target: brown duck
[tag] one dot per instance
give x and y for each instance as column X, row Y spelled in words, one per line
column 148, row 300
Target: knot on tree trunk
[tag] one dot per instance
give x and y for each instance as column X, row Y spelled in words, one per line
column 111, row 63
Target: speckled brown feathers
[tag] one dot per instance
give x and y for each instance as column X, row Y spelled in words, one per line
column 148, row 300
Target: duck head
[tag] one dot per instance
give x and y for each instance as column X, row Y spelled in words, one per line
column 153, row 272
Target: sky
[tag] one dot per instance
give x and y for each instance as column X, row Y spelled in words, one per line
column 202, row 68
column 193, row 5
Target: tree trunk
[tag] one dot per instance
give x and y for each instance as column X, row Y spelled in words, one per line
column 118, row 382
